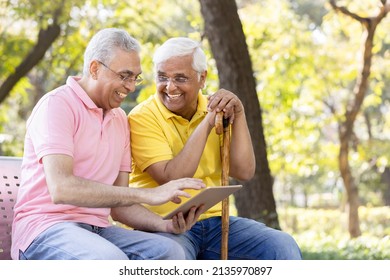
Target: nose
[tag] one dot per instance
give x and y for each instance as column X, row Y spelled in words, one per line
column 170, row 85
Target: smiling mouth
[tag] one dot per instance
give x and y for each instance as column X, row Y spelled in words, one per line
column 121, row 94
column 174, row 96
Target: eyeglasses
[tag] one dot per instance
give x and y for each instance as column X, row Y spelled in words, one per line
column 178, row 80
column 126, row 78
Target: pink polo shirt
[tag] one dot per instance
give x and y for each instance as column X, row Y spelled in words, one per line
column 66, row 121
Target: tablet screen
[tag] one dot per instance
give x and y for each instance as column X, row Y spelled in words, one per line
column 208, row 197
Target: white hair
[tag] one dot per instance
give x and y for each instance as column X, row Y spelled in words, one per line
column 104, row 44
column 181, row 46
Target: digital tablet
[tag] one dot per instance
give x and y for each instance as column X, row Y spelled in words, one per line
column 208, row 197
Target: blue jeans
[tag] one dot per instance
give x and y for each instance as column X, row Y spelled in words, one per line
column 248, row 240
column 77, row 241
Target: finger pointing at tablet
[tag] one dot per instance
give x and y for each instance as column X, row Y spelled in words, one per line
column 172, row 191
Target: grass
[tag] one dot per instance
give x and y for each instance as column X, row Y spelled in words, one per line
column 322, row 234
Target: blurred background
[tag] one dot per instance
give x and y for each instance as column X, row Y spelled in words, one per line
column 313, row 77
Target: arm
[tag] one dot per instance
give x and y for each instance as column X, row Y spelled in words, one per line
column 242, row 157
column 138, row 217
column 185, row 163
column 66, row 188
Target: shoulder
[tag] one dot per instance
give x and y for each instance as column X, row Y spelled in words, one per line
column 145, row 107
column 57, row 100
column 120, row 112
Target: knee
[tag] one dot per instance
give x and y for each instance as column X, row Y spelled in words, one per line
column 285, row 247
column 107, row 254
column 171, row 250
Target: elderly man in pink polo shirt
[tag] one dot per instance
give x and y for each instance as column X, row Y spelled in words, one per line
column 76, row 166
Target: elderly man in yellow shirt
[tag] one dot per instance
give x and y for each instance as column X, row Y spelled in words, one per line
column 173, row 136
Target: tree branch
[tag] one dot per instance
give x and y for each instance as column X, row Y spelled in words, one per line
column 347, row 12
column 46, row 37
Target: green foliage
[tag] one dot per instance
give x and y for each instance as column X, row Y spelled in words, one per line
column 305, row 74
column 11, row 121
column 19, row 32
column 321, row 234
column 305, row 59
column 150, row 24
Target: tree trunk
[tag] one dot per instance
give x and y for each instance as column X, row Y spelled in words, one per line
column 224, row 32
column 350, row 185
column 353, row 108
column 385, row 179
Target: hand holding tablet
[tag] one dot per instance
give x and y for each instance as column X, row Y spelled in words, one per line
column 207, row 197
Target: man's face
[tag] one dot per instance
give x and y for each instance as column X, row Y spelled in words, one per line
column 111, row 90
column 178, row 85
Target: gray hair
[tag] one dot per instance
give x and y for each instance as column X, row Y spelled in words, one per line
column 181, row 46
column 104, row 43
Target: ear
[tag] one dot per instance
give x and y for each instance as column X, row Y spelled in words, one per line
column 203, row 77
column 94, row 69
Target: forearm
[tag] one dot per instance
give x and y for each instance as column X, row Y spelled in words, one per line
column 242, row 157
column 85, row 193
column 66, row 188
column 140, row 218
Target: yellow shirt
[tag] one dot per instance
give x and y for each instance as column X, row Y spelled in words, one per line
column 157, row 135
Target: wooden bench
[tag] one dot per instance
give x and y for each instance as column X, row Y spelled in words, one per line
column 10, row 168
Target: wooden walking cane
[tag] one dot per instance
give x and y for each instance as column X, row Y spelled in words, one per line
column 222, row 126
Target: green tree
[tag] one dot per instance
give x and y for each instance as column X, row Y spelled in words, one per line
column 353, row 107
column 304, row 65
column 27, row 38
column 49, row 19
